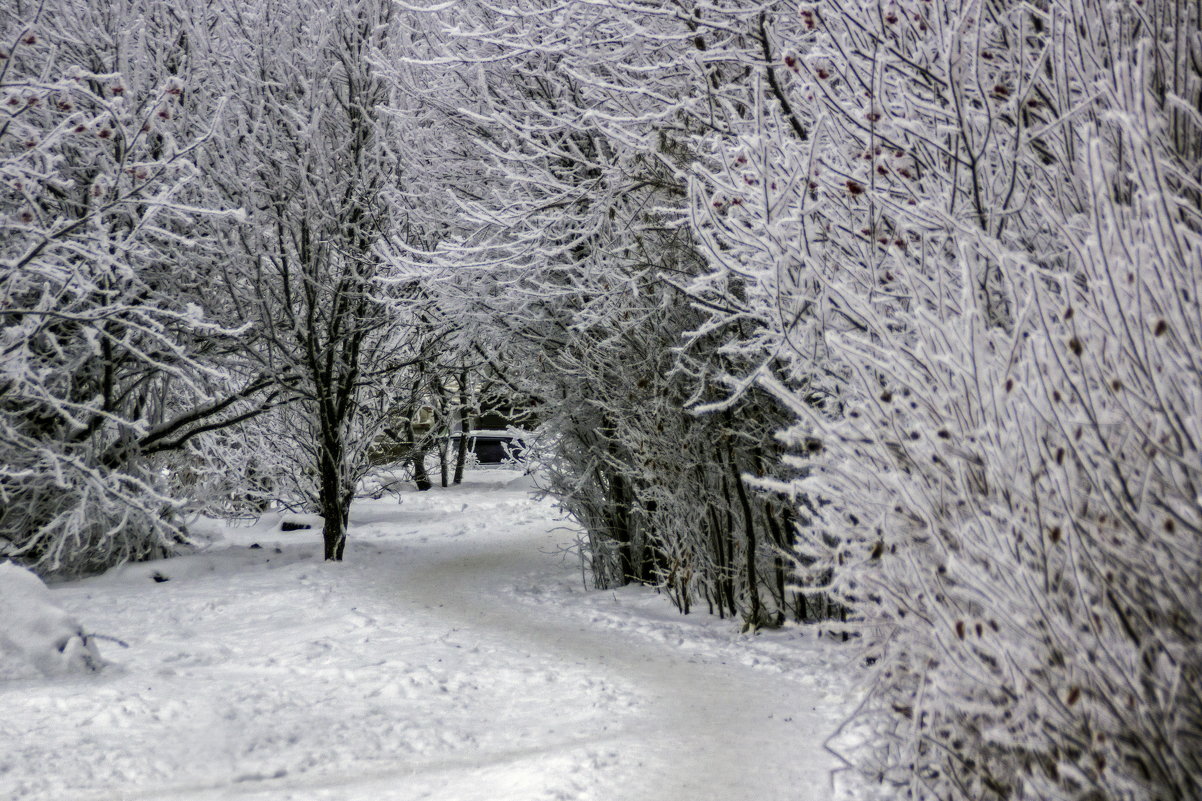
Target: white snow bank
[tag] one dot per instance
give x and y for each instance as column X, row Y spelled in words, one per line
column 36, row 637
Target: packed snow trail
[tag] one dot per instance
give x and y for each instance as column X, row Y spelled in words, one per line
column 703, row 729
column 453, row 656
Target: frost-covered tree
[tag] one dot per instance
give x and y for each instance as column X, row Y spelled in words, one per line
column 136, row 323
column 106, row 336
column 557, row 178
column 305, row 152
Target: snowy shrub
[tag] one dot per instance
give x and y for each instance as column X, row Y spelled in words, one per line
column 106, row 347
column 968, row 238
column 83, row 296
column 36, row 637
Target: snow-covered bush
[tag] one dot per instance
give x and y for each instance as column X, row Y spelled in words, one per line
column 968, row 238
column 106, row 354
column 36, row 637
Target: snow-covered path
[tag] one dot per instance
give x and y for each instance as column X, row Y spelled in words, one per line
column 454, row 655
column 702, row 728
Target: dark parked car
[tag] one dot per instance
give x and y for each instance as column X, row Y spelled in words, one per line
column 492, row 447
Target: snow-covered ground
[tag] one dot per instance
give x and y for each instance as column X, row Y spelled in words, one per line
column 454, row 655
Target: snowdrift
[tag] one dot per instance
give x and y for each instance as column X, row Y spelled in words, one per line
column 36, row 637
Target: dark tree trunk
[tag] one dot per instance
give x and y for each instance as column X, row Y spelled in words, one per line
column 335, row 501
column 753, row 592
column 464, row 420
column 443, row 428
column 726, row 544
column 620, row 526
column 421, row 478
column 778, row 564
column 619, row 517
column 444, row 476
column 336, row 516
column 651, row 559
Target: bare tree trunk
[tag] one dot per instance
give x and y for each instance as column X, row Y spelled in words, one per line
column 334, row 500
column 443, row 466
column 420, row 477
column 779, row 569
column 464, row 420
column 753, row 592
column 620, row 528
